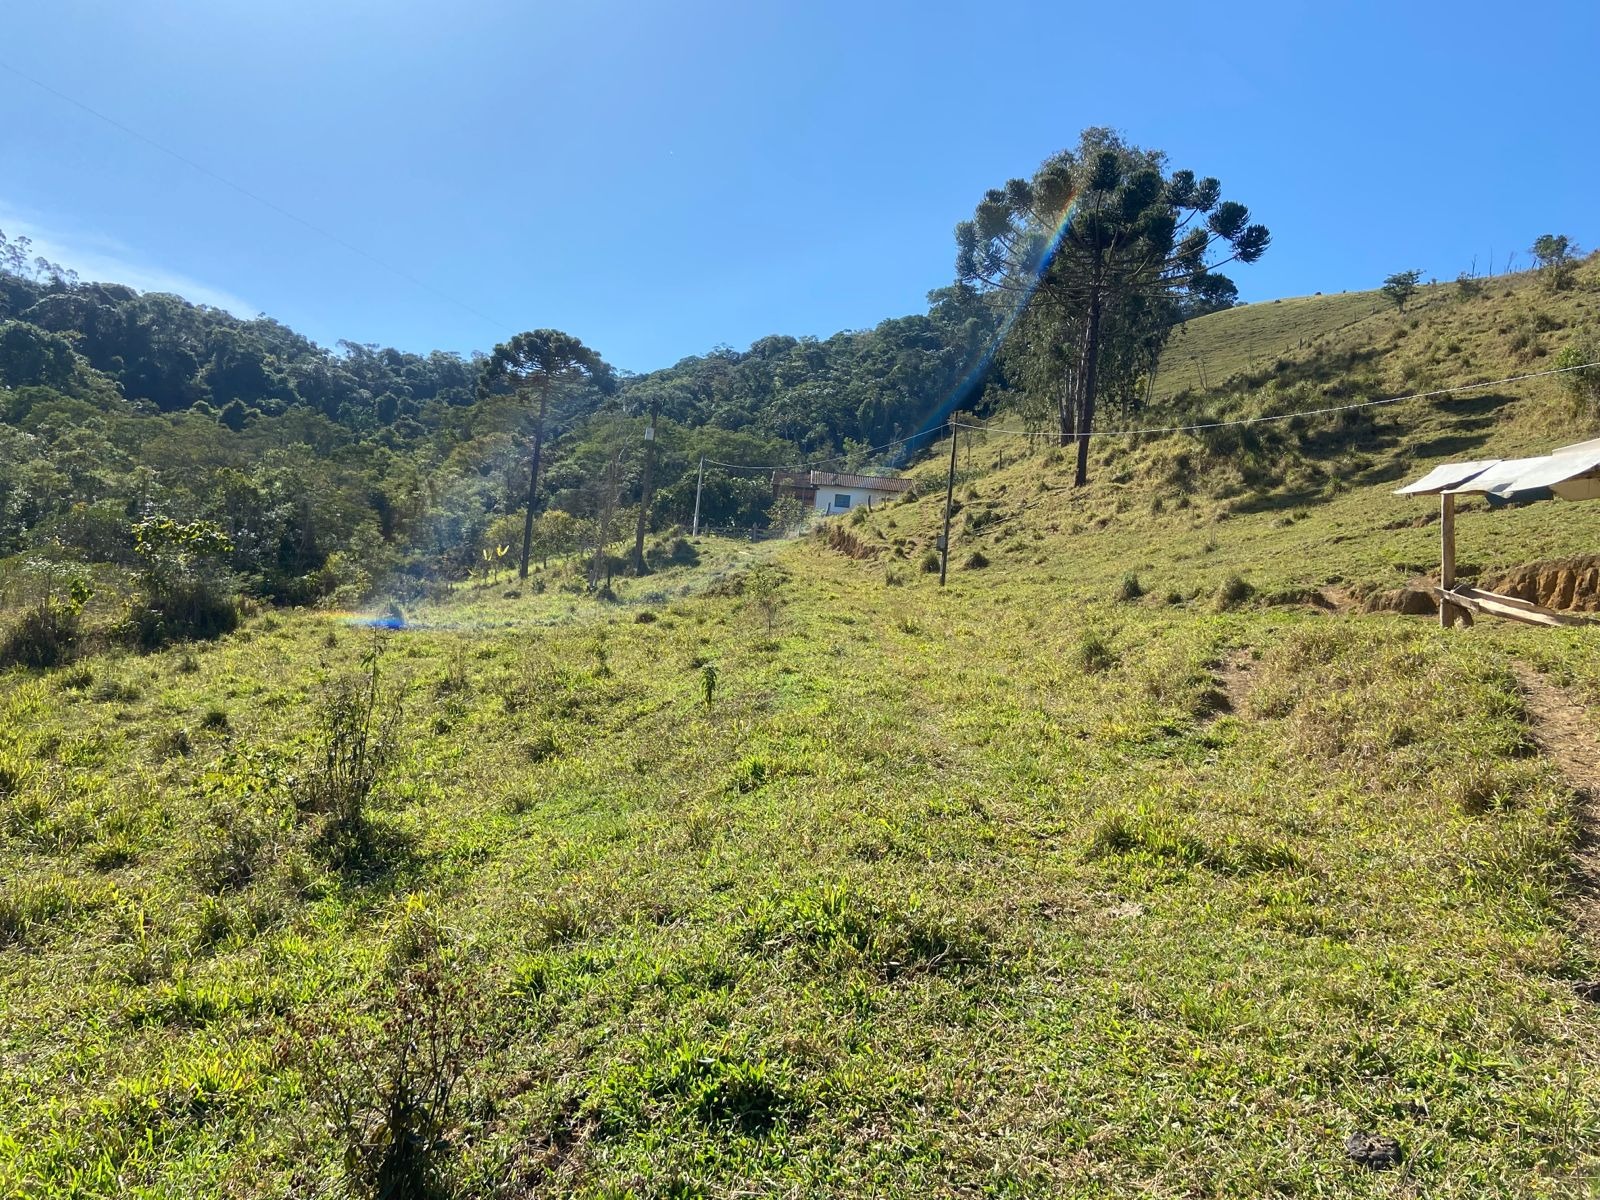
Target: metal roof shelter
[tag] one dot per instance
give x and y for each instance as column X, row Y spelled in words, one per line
column 1568, row 473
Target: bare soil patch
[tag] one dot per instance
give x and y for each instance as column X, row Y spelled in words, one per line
column 1235, row 676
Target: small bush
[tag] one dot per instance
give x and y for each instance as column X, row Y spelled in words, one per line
column 763, row 586
column 1233, row 592
column 173, row 743
column 930, row 563
column 388, row 1086
column 359, row 733
column 1094, row 652
column 194, row 611
column 977, row 560
column 215, row 718
column 1130, row 588
column 1583, row 386
column 186, row 594
column 45, row 636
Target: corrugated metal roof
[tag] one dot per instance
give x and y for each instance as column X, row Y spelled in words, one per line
column 1448, row 476
column 1571, row 472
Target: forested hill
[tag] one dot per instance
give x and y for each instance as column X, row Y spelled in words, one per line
column 330, row 469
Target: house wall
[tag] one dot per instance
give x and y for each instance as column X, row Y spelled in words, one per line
column 828, row 496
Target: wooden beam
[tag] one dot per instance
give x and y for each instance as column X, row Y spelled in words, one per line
column 1471, row 599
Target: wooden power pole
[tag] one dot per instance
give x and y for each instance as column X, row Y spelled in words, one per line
column 699, row 482
column 949, row 496
column 645, row 491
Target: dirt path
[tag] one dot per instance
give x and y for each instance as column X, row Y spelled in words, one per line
column 1564, row 730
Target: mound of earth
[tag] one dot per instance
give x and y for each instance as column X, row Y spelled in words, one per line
column 1560, row 583
column 1408, row 601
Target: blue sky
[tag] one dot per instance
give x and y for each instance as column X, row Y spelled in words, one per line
column 658, row 178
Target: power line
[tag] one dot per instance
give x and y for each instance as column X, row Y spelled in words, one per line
column 1309, row 412
column 815, row 463
column 401, row 272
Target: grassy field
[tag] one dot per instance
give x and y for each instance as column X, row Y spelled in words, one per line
column 1133, row 862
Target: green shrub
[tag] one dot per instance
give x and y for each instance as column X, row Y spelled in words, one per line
column 196, row 610
column 930, row 563
column 45, row 636
column 387, row 1084
column 763, row 586
column 1130, row 588
column 185, row 593
column 1583, row 386
column 977, row 560
column 1094, row 652
column 359, row 726
column 1233, row 592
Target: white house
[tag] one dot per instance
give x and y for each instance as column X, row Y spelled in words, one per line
column 831, row 493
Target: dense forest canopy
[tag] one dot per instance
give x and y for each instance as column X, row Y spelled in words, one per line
column 337, row 470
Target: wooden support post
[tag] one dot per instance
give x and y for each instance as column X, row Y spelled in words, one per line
column 1447, row 557
column 699, row 482
column 949, row 496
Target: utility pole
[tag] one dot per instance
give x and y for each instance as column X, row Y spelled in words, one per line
column 949, row 494
column 699, row 481
column 645, row 490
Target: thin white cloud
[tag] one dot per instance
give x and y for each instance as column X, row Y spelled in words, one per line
column 103, row 259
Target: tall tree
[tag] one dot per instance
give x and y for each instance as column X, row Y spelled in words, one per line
column 1557, row 256
column 1400, row 287
column 1102, row 250
column 541, row 361
column 646, row 485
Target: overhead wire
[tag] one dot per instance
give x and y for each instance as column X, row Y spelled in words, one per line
column 818, row 462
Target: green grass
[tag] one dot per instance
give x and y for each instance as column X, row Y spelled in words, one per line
column 988, row 890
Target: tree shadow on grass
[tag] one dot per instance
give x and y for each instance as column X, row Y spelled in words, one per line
column 1472, row 404
column 1277, row 501
column 1448, row 445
